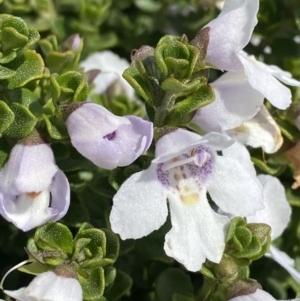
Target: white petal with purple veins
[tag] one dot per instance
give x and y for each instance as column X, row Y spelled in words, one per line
column 180, row 141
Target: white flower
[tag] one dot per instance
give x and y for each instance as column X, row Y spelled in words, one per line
column 49, row 287
column 106, row 139
column 276, row 214
column 27, row 181
column 240, row 92
column 186, row 167
column 259, row 295
column 112, row 67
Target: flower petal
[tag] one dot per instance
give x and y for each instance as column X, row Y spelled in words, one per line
column 51, row 287
column 285, row 261
column 230, row 32
column 277, row 211
column 105, row 139
column 27, row 211
column 112, row 67
column 30, row 168
column 198, row 233
column 283, row 76
column 264, row 82
column 60, row 195
column 234, row 189
column 236, row 102
column 133, row 139
column 180, row 141
column 240, row 153
column 260, row 131
column 139, row 206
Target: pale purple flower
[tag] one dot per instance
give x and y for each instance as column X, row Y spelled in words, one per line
column 49, row 287
column 32, row 188
column 106, row 139
column 112, row 68
column 240, row 92
column 277, row 214
column 186, row 167
column 259, row 295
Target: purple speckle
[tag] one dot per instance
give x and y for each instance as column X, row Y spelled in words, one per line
column 205, row 158
column 110, row 136
column 163, row 176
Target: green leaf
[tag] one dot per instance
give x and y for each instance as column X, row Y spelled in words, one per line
column 54, row 236
column 136, row 80
column 266, row 167
column 112, row 245
column 120, row 287
column 235, row 222
column 244, row 236
column 23, row 123
column 172, row 281
column 179, row 115
column 93, row 286
column 4, row 151
column 34, row 268
column 6, row 116
column 94, row 249
column 149, row 6
column 110, row 275
column 56, row 127
column 28, row 67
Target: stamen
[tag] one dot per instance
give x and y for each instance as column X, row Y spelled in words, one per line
column 12, row 269
column 176, row 163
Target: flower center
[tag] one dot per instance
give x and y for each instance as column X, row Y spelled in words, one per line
column 194, row 166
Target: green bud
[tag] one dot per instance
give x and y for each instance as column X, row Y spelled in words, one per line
column 247, row 241
column 71, row 86
column 176, row 58
column 63, row 58
column 54, row 236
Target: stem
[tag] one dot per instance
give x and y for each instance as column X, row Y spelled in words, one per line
column 12, row 269
column 163, row 110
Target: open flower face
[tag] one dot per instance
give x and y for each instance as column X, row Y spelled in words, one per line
column 185, row 169
column 49, row 287
column 33, row 190
column 106, row 139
